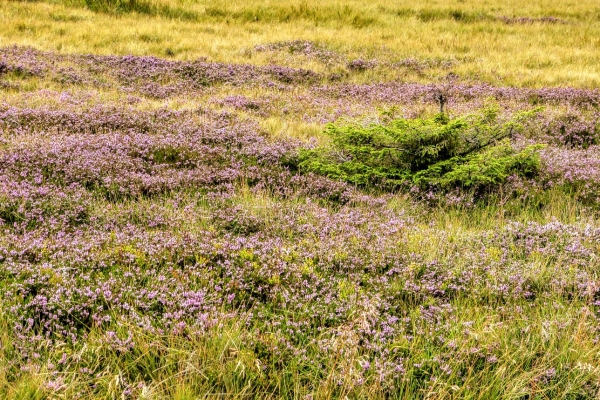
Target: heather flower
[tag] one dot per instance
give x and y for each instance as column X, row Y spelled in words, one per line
column 130, row 231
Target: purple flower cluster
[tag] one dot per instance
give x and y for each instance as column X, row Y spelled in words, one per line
column 576, row 168
column 305, row 48
column 458, row 92
column 116, row 218
column 127, row 153
column 573, row 129
column 362, row 65
column 532, row 20
column 150, row 76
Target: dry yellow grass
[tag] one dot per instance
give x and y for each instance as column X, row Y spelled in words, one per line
column 472, row 33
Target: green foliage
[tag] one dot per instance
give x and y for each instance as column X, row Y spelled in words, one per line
column 471, row 152
column 486, row 168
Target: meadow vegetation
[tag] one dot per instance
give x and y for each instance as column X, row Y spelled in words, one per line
column 272, row 199
column 517, row 43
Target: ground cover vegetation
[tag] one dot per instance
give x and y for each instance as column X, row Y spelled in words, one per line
column 299, row 200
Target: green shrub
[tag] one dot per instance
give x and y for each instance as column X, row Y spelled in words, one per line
column 471, row 152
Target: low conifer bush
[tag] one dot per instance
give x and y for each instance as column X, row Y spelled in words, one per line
column 470, row 152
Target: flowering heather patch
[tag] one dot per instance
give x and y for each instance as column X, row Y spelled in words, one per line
column 313, row 51
column 531, row 20
column 156, row 241
column 361, row 65
column 129, row 154
column 151, row 76
column 574, row 129
column 576, row 168
column 305, row 48
column 244, row 103
column 406, row 92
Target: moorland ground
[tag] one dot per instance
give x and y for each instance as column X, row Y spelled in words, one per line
column 213, row 199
